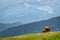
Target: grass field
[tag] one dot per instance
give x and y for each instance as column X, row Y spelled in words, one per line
column 36, row 36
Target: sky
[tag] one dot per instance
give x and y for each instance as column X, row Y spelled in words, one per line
column 27, row 11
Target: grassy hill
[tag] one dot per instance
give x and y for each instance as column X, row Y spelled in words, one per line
column 36, row 36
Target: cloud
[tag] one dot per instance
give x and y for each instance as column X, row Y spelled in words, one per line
column 27, row 0
column 39, row 0
column 14, row 10
column 27, row 5
column 43, row 8
column 46, row 8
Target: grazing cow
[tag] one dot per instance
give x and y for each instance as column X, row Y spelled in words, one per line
column 46, row 29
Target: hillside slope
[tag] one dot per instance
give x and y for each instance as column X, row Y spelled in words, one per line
column 34, row 27
column 36, row 36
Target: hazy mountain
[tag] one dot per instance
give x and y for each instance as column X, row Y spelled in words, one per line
column 32, row 27
column 4, row 26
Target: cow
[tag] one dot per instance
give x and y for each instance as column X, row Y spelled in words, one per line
column 46, row 29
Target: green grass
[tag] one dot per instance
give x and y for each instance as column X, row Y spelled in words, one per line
column 36, row 36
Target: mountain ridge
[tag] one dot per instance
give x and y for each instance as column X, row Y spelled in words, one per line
column 4, row 26
column 34, row 27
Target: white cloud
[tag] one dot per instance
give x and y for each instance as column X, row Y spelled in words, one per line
column 46, row 8
column 43, row 8
column 27, row 0
column 20, row 15
column 27, row 5
column 38, row 0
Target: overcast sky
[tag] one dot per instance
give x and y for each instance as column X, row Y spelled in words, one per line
column 26, row 11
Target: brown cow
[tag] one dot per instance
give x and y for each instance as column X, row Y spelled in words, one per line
column 46, row 29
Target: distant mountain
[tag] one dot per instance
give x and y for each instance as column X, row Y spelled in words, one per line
column 34, row 27
column 4, row 26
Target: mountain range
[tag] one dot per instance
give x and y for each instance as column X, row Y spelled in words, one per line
column 33, row 27
column 4, row 26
